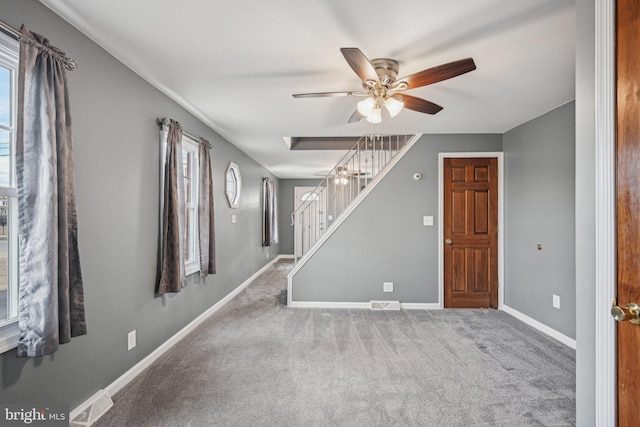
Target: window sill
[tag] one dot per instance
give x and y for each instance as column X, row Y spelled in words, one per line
column 9, row 336
column 192, row 267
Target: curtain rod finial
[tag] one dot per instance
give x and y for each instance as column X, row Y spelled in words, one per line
column 70, row 64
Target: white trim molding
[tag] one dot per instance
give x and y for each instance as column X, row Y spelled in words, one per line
column 9, row 336
column 605, row 227
column 128, row 376
column 361, row 305
column 420, row 306
column 328, row 304
column 489, row 154
column 540, row 326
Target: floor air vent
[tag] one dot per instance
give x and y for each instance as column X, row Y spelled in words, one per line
column 98, row 404
column 385, row 305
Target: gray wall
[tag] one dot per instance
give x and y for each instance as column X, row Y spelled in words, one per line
column 384, row 239
column 286, row 201
column 539, row 209
column 585, row 212
column 117, row 179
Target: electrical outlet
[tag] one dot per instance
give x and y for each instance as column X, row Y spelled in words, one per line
column 556, row 301
column 131, row 340
column 387, row 286
column 427, row 221
column 233, row 219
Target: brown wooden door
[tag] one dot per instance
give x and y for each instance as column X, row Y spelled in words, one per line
column 471, row 233
column 628, row 206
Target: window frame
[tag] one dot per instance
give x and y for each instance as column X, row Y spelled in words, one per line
column 233, row 185
column 190, row 147
column 9, row 328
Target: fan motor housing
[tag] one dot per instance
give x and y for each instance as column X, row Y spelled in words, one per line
column 387, row 70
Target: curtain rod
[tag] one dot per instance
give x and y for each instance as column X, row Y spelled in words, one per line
column 165, row 121
column 69, row 63
column 12, row 31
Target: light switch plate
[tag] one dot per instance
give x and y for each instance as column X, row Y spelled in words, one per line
column 131, row 340
column 556, row 301
column 427, row 221
column 233, row 219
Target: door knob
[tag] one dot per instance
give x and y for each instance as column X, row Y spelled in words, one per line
column 448, row 241
column 630, row 312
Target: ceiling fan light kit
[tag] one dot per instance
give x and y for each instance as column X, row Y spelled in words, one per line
column 375, row 116
column 393, row 106
column 366, row 106
column 382, row 86
column 341, row 176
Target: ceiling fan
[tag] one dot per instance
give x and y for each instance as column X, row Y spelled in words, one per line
column 345, row 172
column 382, row 87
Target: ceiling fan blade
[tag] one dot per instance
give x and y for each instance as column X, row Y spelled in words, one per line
column 437, row 74
column 420, row 105
column 360, row 64
column 328, row 94
column 356, row 117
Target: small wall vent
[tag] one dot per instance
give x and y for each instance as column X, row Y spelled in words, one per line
column 385, row 305
column 96, row 406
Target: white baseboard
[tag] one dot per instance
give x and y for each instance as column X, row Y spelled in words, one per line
column 329, row 304
column 364, row 305
column 420, row 306
column 540, row 326
column 125, row 378
column 286, row 256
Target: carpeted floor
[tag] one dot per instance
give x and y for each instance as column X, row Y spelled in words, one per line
column 258, row 363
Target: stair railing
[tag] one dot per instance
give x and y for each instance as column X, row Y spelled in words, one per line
column 357, row 169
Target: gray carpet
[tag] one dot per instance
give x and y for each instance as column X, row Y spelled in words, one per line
column 258, row 363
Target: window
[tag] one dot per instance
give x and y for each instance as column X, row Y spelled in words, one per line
column 190, row 175
column 233, row 182
column 9, row 53
column 309, row 196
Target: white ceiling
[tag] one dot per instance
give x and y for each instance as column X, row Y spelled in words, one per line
column 234, row 64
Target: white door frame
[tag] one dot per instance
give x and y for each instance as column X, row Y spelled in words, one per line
column 605, row 222
column 492, row 154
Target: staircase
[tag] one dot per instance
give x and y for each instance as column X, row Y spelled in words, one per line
column 357, row 170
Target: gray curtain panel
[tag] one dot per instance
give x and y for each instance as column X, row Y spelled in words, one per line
column 172, row 274
column 266, row 222
column 269, row 213
column 274, row 212
column 51, row 308
column 206, row 224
